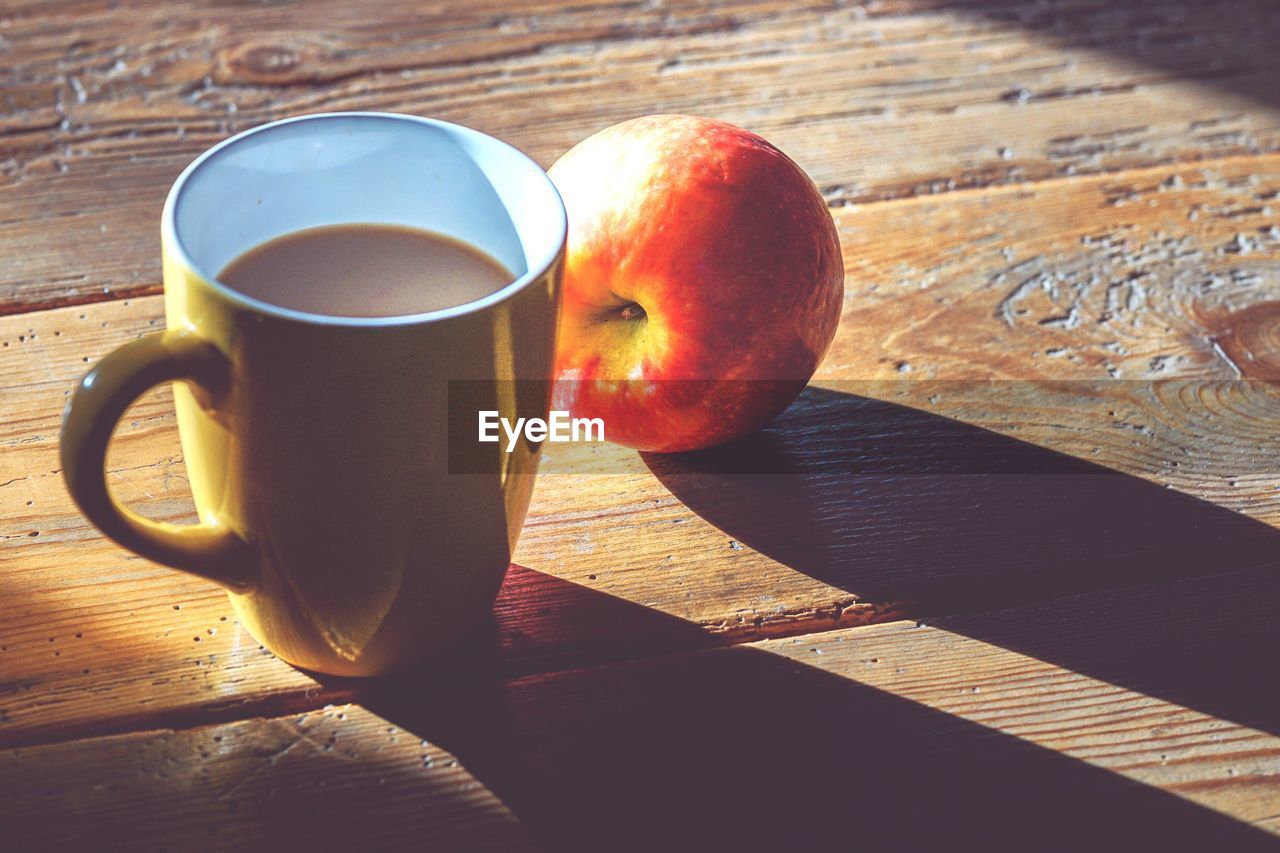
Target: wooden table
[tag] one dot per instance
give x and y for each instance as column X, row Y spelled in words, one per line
column 1004, row 578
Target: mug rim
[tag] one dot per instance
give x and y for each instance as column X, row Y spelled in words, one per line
column 535, row 271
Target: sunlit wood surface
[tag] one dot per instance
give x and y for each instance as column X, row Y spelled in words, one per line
column 1006, row 575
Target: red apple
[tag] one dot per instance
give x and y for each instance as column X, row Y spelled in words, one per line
column 703, row 282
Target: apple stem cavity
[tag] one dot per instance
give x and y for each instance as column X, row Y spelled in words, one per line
column 630, row 312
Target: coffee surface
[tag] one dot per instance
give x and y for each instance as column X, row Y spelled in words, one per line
column 365, row 270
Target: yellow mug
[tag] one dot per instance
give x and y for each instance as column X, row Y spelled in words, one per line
column 317, row 447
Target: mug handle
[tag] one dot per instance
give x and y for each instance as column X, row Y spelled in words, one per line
column 209, row 549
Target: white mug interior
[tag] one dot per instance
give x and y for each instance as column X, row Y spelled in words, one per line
column 383, row 168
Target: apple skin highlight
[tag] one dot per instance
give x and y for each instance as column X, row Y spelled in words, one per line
column 703, row 282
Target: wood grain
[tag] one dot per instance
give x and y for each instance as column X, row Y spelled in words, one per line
column 335, row 777
column 992, row 725
column 1151, row 274
column 882, row 493
column 1004, row 576
column 101, row 109
column 1133, row 715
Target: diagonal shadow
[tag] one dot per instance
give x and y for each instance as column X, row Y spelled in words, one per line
column 737, row 748
column 1229, row 44
column 932, row 515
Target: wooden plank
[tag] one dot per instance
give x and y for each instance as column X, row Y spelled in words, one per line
column 993, row 726
column 1149, row 274
column 1134, row 716
column 101, row 110
column 869, row 500
column 337, row 777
